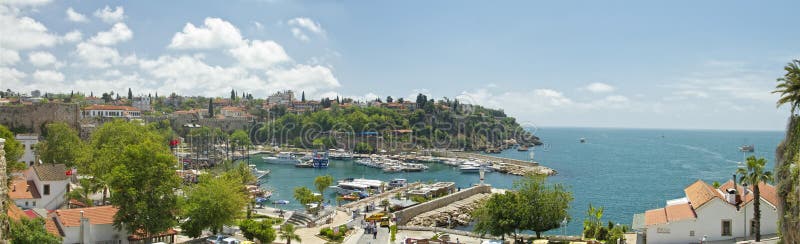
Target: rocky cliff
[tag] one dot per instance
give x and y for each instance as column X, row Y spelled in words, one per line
column 787, row 177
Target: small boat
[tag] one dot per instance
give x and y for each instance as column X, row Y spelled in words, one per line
column 747, row 148
column 281, row 202
column 282, row 158
column 258, row 173
column 522, row 148
column 582, row 140
column 469, row 169
column 392, row 169
column 306, row 164
column 350, row 186
column 351, row 197
column 340, row 154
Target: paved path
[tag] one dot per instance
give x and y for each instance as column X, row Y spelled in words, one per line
column 381, row 238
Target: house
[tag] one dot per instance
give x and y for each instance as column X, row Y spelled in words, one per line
column 281, row 98
column 97, row 226
column 111, row 111
column 141, row 103
column 28, row 141
column 307, row 106
column 716, row 214
column 234, row 112
column 43, row 186
column 93, row 100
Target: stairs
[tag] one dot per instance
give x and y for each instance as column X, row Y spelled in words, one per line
column 299, row 219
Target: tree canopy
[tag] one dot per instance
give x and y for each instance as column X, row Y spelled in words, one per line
column 212, row 203
column 261, row 230
column 31, row 231
column 14, row 149
column 533, row 205
column 62, row 145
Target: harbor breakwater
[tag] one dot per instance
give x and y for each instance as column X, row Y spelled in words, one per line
column 405, row 215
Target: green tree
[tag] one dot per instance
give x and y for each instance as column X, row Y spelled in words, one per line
column 543, row 206
column 240, row 139
column 88, row 187
column 322, row 183
column 61, row 145
column 754, row 174
column 497, row 216
column 143, row 185
column 31, row 231
column 14, row 149
column 363, row 147
column 789, row 86
column 212, row 204
column 305, row 196
column 261, row 230
column 287, row 233
column 241, row 174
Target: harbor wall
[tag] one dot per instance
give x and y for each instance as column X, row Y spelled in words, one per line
column 486, row 157
column 476, row 235
column 33, row 117
column 405, row 215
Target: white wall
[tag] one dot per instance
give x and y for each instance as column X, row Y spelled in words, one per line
column 95, row 233
column 709, row 223
column 28, row 156
column 58, row 190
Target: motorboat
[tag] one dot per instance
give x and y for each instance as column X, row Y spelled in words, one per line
column 305, row 164
column 469, row 169
column 319, row 159
column 340, row 154
column 582, row 140
column 258, row 173
column 282, row 158
column 350, row 186
column 747, row 148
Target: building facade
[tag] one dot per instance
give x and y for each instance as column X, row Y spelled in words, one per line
column 28, row 141
column 711, row 214
column 111, row 111
column 42, row 186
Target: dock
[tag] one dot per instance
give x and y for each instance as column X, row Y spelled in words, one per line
column 505, row 165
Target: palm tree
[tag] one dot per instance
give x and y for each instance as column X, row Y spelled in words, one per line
column 789, row 88
column 753, row 175
column 287, row 232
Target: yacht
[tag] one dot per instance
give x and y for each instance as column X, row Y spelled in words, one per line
column 258, row 173
column 282, row 158
column 350, row 186
column 340, row 154
column 319, row 159
column 747, row 148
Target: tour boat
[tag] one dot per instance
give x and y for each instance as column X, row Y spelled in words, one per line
column 350, row 186
column 319, row 159
column 282, row 158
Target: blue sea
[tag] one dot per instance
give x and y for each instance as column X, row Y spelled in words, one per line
column 626, row 171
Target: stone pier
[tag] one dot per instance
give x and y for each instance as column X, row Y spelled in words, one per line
column 405, row 215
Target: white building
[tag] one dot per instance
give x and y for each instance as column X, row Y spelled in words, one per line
column 710, row 213
column 142, row 103
column 97, row 224
column 233, row 112
column 281, row 98
column 111, row 111
column 43, row 186
column 28, row 141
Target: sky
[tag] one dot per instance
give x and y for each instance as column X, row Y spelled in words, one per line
column 628, row 64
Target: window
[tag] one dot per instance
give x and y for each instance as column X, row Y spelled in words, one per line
column 726, row 227
column 26, row 204
column 47, row 189
column 691, row 233
column 34, row 203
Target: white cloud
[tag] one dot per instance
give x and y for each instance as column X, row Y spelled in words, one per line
column 215, row 33
column 301, row 25
column 96, row 56
column 311, row 79
column 48, row 76
column 8, row 57
column 75, row 16
column 22, row 32
column 598, row 87
column 73, row 36
column 260, row 54
column 10, row 76
column 184, row 74
column 110, row 16
column 118, row 33
column 41, row 59
column 24, row 3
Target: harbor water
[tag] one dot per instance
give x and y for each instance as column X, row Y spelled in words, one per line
column 626, row 171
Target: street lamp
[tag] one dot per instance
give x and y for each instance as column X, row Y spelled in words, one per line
column 744, row 197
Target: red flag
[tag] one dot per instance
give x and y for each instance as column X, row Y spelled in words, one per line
column 69, row 172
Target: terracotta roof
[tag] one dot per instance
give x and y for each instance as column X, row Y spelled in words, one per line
column 51, row 172
column 700, row 193
column 767, row 192
column 110, row 107
column 16, row 213
column 655, row 216
column 680, row 212
column 231, row 108
column 96, row 215
column 23, row 189
column 51, row 227
column 138, row 235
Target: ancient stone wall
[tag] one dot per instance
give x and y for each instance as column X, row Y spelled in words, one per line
column 3, row 193
column 407, row 214
column 32, row 118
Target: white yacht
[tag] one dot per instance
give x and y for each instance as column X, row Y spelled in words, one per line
column 350, row 186
column 282, row 158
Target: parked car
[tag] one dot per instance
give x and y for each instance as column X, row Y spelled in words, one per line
column 222, row 239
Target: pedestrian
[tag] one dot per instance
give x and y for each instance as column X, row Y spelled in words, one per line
column 457, row 242
column 375, row 235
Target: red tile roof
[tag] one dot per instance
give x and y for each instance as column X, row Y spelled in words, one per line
column 15, row 213
column 96, row 215
column 767, row 192
column 699, row 193
column 51, row 227
column 23, row 189
column 680, row 212
column 655, row 216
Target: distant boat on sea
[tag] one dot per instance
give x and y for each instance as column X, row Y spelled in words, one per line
column 747, row 148
column 582, row 140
